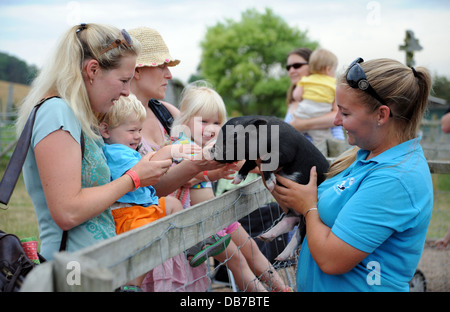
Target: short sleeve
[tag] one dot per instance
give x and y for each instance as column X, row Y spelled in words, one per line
column 55, row 114
column 381, row 206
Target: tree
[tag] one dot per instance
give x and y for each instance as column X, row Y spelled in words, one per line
column 13, row 69
column 441, row 87
column 245, row 61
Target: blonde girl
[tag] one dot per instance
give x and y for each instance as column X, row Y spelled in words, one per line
column 202, row 113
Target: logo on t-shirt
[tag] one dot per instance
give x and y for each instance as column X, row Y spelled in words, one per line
column 347, row 183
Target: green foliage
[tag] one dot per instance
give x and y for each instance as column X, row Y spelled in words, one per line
column 441, row 87
column 13, row 69
column 245, row 61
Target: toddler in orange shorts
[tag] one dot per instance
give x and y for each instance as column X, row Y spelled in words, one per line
column 121, row 131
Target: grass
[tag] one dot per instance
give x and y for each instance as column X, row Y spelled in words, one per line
column 20, row 218
column 440, row 219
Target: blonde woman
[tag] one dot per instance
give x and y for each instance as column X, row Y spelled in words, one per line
column 91, row 67
column 366, row 224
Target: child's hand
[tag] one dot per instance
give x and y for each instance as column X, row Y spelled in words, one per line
column 227, row 172
column 185, row 151
column 206, row 150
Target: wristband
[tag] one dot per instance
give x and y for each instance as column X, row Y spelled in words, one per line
column 306, row 213
column 135, row 178
column 205, row 175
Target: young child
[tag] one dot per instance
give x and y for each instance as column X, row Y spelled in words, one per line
column 121, row 130
column 202, row 113
column 315, row 94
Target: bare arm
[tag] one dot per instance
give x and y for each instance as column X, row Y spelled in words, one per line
column 180, row 174
column 325, row 121
column 58, row 157
column 445, row 123
column 332, row 255
column 297, row 94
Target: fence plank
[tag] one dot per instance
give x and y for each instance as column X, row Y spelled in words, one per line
column 40, row 279
column 75, row 273
column 439, row 166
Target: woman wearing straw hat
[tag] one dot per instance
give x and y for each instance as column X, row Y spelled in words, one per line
column 150, row 81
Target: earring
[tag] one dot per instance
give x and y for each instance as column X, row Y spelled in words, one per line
column 90, row 81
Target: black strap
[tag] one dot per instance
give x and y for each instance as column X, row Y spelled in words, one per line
column 162, row 113
column 63, row 244
column 14, row 167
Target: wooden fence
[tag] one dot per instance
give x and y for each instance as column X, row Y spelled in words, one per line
column 111, row 263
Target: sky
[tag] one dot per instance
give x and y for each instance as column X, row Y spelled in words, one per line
column 29, row 29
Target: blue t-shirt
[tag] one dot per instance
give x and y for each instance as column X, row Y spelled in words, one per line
column 120, row 159
column 380, row 206
column 53, row 115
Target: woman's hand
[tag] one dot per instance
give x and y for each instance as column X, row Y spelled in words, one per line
column 150, row 171
column 297, row 196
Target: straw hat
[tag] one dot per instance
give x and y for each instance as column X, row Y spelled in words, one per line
column 154, row 51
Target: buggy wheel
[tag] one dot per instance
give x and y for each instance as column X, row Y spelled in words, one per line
column 418, row 283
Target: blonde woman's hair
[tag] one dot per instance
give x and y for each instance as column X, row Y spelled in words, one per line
column 125, row 108
column 405, row 91
column 320, row 60
column 199, row 99
column 62, row 74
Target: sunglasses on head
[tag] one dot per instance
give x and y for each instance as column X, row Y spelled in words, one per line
column 126, row 40
column 295, row 65
column 356, row 78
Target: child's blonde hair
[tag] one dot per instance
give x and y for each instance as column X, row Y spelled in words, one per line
column 124, row 108
column 320, row 60
column 199, row 99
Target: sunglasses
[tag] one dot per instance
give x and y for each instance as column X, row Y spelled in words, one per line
column 295, row 65
column 356, row 78
column 126, row 40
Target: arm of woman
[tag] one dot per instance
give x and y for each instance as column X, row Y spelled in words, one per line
column 325, row 121
column 332, row 255
column 180, row 174
column 58, row 157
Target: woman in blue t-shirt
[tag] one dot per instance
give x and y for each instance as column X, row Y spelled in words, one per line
column 71, row 190
column 366, row 224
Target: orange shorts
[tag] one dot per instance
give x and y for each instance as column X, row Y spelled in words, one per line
column 129, row 218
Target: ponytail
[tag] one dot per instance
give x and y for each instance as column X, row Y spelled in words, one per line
column 405, row 91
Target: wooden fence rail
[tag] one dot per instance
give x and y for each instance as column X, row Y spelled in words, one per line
column 113, row 262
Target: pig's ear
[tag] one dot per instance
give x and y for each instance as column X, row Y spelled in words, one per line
column 258, row 122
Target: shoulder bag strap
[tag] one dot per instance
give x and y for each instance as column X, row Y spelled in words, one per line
column 162, row 113
column 14, row 167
